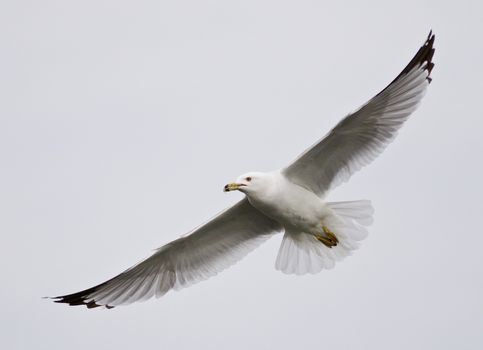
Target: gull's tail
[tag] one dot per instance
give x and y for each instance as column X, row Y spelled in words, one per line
column 302, row 253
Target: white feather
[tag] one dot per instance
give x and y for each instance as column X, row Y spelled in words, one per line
column 206, row 251
column 302, row 253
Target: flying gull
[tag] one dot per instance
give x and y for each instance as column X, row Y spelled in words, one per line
column 317, row 233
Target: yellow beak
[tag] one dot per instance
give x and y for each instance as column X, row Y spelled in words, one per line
column 232, row 187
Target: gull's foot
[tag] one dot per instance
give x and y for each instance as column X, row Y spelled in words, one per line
column 329, row 241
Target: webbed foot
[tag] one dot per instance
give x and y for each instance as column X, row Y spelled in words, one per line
column 329, row 240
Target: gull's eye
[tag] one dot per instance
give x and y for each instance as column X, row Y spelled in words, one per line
column 248, row 178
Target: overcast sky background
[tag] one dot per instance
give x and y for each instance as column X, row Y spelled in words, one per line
column 121, row 121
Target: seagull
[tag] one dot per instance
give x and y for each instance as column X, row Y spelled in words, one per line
column 316, row 233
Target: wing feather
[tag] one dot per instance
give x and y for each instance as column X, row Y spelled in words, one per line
column 361, row 136
column 203, row 253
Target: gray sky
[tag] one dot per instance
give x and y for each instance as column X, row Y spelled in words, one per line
column 121, row 121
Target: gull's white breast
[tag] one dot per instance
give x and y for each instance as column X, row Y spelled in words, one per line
column 291, row 205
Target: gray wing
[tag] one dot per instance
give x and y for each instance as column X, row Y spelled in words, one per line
column 203, row 253
column 361, row 136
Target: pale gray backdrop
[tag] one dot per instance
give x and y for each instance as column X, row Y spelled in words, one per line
column 120, row 122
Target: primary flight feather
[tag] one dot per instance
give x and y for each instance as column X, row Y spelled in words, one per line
column 291, row 200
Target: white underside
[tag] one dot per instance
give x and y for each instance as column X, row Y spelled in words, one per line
column 302, row 253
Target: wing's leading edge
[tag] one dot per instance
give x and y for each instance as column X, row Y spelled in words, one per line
column 208, row 250
column 361, row 136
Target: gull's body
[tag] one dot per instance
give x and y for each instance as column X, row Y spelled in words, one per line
column 317, row 233
column 287, row 203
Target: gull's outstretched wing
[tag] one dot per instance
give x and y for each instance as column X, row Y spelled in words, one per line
column 208, row 250
column 361, row 136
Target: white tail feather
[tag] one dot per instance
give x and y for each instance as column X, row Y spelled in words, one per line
column 302, row 253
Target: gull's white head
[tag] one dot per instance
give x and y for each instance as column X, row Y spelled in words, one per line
column 250, row 183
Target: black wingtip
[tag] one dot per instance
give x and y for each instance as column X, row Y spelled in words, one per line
column 80, row 298
column 424, row 56
column 430, row 52
column 79, row 301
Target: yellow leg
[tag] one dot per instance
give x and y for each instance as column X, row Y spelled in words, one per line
column 331, row 234
column 329, row 241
